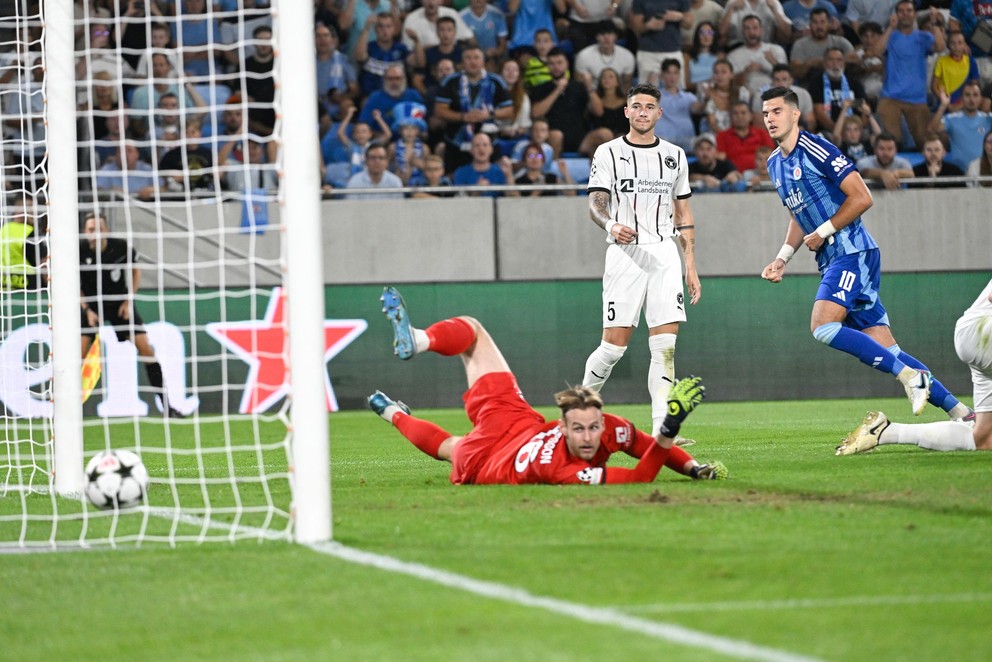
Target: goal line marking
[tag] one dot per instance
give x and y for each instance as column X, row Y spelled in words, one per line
column 594, row 615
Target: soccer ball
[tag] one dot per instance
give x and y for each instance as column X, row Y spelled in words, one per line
column 116, row 479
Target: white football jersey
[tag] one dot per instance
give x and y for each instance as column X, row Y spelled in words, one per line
column 982, row 306
column 641, row 181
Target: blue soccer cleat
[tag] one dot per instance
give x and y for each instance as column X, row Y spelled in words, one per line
column 395, row 309
column 379, row 402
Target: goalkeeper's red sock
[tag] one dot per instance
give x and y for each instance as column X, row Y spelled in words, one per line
column 423, row 434
column 677, row 459
column 450, row 337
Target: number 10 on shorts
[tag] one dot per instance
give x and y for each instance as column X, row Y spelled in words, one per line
column 846, row 280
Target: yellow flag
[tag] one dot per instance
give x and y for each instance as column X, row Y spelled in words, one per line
column 91, row 368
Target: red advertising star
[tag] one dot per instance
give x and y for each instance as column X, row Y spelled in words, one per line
column 262, row 345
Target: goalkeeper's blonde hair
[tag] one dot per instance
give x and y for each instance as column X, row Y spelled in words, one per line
column 577, row 397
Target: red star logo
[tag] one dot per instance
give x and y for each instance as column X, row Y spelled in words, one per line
column 262, row 345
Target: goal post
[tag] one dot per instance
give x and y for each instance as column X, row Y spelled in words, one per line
column 209, row 363
column 300, row 200
column 63, row 237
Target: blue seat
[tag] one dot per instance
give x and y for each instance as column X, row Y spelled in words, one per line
column 914, row 158
column 578, row 167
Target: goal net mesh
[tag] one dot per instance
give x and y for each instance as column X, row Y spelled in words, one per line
column 178, row 148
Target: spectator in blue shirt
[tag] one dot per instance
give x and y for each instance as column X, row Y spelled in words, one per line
column 489, row 26
column 965, row 16
column 675, row 124
column 904, row 90
column 482, row 171
column 529, row 16
column 376, row 175
column 127, row 174
column 337, row 84
column 798, row 12
column 375, row 56
column 394, row 91
column 965, row 127
column 191, row 33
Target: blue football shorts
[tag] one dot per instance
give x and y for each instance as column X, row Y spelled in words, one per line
column 852, row 281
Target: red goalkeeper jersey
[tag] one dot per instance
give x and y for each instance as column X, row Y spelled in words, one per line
column 541, row 455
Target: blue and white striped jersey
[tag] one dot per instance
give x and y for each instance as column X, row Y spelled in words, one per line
column 808, row 181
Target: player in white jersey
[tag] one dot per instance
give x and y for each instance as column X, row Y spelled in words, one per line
column 973, row 342
column 639, row 194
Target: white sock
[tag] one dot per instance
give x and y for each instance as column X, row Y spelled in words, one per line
column 941, row 436
column 661, row 376
column 388, row 413
column 958, row 411
column 420, row 340
column 600, row 364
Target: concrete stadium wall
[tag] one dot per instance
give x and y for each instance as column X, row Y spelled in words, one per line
column 737, row 234
column 525, row 239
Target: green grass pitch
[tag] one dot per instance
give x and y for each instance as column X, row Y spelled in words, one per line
column 874, row 557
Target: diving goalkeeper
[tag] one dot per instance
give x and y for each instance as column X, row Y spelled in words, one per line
column 511, row 443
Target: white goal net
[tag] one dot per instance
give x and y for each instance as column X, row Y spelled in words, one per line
column 153, row 158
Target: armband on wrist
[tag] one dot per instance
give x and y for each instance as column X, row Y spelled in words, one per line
column 785, row 253
column 826, row 229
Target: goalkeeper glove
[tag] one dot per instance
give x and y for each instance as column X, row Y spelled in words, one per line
column 682, row 399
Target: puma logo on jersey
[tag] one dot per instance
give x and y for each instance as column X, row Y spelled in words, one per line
column 625, row 159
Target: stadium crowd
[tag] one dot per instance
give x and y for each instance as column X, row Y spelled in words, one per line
column 472, row 92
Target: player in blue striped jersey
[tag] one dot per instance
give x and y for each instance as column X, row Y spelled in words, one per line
column 826, row 198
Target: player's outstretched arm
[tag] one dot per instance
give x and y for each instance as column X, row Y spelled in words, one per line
column 684, row 397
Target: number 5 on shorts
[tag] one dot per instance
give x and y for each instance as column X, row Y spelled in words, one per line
column 611, row 313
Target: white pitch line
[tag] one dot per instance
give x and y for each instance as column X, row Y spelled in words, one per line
column 594, row 615
column 808, row 603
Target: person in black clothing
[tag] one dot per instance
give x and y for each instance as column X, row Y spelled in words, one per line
column 564, row 103
column 534, row 173
column 108, row 278
column 934, row 165
column 261, row 86
column 191, row 162
column 470, row 101
column 710, row 174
